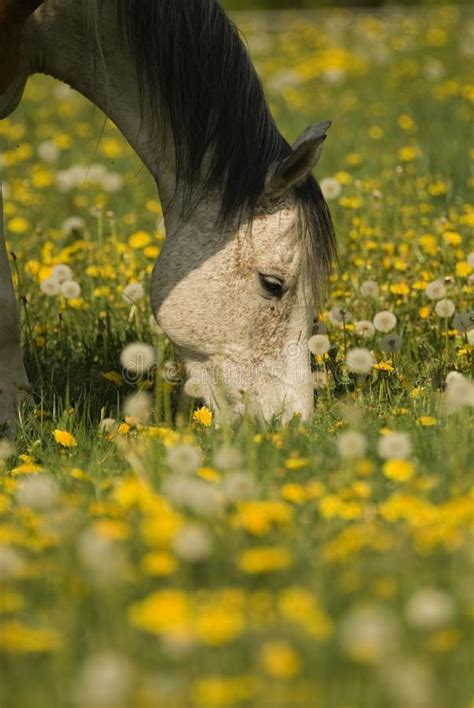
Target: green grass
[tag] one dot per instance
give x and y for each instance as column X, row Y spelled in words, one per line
column 329, row 582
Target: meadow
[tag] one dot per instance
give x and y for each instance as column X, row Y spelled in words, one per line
column 164, row 561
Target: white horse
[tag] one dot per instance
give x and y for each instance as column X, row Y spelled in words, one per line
column 249, row 236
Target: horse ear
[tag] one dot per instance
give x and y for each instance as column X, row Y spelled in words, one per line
column 13, row 15
column 305, row 155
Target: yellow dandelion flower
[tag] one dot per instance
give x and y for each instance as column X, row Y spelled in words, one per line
column 209, row 474
column 400, row 288
column 438, row 188
column 65, row 439
column 353, row 159
column 111, row 148
column 159, row 563
column 452, row 238
column 295, row 493
column 217, row 625
column 221, row 691
column 383, row 366
column 76, row 473
column 139, row 239
column 399, row 470
column 427, row 420
column 296, row 463
column 114, row 377
column 444, row 640
column 408, row 153
column 18, row 638
column 18, row 225
column 406, row 123
column 151, row 251
column 424, row 312
column 463, row 269
column 264, row 559
column 280, row 660
column 26, row 468
column 203, row 416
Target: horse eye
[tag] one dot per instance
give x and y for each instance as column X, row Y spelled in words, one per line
column 271, row 285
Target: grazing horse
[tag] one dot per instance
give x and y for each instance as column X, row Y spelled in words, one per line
column 249, row 236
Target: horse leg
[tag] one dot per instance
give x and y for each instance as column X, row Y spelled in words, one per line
column 13, row 378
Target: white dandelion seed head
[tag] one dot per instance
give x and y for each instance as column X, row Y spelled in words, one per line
column 63, row 92
column 384, row 321
column 333, row 75
column 70, row 289
column 138, row 357
column 38, row 492
column 433, row 69
column 339, row 315
column 12, row 563
column 330, row 187
column 463, row 321
column 6, row 449
column 61, row 273
column 192, row 543
column 95, row 174
column 458, row 394
column 105, row 679
column 50, row 287
column 73, row 223
column 319, row 344
column 184, row 458
column 370, row 288
column 359, row 360
column 228, row 457
column 74, row 176
column 350, row 414
column 394, row 446
column 453, row 377
column 138, row 406
column 111, row 182
column 470, row 259
column 408, row 682
column 180, row 488
column 194, row 494
column 429, row 609
column 320, row 380
column 238, row 485
column 103, row 558
column 470, row 337
column 369, row 632
column 133, row 293
column 207, row 499
column 445, row 308
column 47, row 151
column 364, row 328
column 435, row 290
column 106, row 425
column 351, row 445
column 391, row 343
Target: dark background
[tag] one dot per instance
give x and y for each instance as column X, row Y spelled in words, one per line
column 314, row 4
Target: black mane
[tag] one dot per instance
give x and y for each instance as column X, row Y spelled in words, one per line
column 193, row 66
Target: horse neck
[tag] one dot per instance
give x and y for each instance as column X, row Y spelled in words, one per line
column 93, row 61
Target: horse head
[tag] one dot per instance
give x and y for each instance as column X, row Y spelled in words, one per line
column 238, row 300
